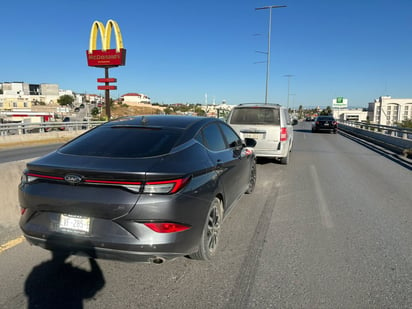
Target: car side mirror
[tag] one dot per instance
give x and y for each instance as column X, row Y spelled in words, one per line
column 250, row 142
column 294, row 122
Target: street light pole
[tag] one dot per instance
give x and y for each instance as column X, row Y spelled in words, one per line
column 288, row 76
column 268, row 53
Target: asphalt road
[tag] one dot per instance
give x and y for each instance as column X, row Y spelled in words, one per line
column 23, row 153
column 330, row 230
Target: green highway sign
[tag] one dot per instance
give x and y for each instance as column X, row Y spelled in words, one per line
column 340, row 102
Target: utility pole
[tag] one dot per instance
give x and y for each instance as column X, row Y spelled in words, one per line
column 269, row 35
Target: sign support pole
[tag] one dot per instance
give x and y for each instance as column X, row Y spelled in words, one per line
column 107, row 94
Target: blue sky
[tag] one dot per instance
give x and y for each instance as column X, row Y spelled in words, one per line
column 179, row 50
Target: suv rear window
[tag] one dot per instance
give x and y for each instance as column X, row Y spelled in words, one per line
column 255, row 115
column 325, row 118
column 123, row 142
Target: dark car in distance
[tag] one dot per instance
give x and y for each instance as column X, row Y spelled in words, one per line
column 325, row 123
column 65, row 119
column 143, row 188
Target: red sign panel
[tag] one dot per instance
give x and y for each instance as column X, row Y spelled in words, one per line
column 106, row 80
column 110, row 57
column 106, row 87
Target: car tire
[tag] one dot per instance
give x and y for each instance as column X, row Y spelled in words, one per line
column 211, row 232
column 252, row 178
column 285, row 160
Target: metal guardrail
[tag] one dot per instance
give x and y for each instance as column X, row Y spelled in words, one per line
column 396, row 139
column 7, row 129
column 404, row 133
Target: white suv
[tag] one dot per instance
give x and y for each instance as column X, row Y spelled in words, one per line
column 269, row 124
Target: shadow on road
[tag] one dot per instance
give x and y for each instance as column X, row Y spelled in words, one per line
column 303, row 130
column 58, row 284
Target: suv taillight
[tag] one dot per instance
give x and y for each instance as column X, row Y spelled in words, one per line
column 283, row 134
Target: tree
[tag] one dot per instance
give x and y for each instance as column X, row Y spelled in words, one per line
column 168, row 110
column 405, row 124
column 94, row 111
column 199, row 111
column 65, row 100
column 326, row 111
column 300, row 111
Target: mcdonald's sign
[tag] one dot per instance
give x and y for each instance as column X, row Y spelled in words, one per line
column 105, row 57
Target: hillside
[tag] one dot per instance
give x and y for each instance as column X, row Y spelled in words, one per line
column 121, row 111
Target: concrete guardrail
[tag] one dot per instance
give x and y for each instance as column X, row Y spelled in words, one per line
column 10, row 172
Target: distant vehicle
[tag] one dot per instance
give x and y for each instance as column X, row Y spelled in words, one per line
column 76, row 110
column 325, row 123
column 146, row 189
column 81, row 105
column 269, row 124
column 66, row 119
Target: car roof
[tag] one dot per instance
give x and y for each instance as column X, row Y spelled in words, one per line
column 269, row 105
column 164, row 121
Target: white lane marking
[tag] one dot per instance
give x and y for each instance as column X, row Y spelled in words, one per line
column 323, row 206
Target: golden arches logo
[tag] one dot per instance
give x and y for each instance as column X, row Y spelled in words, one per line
column 105, row 35
column 106, row 57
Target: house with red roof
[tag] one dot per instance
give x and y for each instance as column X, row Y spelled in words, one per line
column 135, row 99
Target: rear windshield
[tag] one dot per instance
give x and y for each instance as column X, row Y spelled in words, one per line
column 255, row 115
column 325, row 118
column 123, row 142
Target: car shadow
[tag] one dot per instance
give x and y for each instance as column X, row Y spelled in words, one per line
column 303, row 130
column 264, row 161
column 58, row 284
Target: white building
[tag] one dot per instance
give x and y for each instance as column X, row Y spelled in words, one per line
column 15, row 88
column 18, row 91
column 387, row 111
column 357, row 114
column 135, row 99
column 218, row 110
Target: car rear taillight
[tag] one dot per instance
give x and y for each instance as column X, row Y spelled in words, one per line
column 167, row 227
column 165, row 187
column 30, row 177
column 151, row 187
column 334, row 123
column 283, row 134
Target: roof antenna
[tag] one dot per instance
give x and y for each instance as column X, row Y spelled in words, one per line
column 144, row 120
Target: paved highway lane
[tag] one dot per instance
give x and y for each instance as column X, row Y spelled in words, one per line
column 340, row 233
column 330, row 230
column 23, row 153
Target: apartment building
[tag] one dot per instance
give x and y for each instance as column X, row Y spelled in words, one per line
column 388, row 111
column 20, row 95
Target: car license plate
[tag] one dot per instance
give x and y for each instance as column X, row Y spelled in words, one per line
column 74, row 223
column 252, row 135
column 326, row 124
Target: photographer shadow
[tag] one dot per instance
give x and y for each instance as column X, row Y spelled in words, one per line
column 59, row 284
